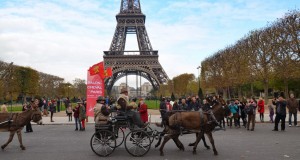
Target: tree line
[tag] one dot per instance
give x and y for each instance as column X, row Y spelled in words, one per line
column 18, row 83
column 266, row 58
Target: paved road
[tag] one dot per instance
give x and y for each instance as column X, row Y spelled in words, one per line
column 56, row 142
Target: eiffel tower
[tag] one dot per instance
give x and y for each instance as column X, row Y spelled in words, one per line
column 144, row 62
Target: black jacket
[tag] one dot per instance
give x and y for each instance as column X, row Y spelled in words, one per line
column 280, row 107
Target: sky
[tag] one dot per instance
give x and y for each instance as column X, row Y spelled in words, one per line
column 66, row 37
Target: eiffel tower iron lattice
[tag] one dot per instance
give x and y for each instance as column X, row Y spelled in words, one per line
column 143, row 62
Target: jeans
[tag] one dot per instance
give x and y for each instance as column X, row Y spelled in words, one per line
column 279, row 117
column 295, row 118
column 77, row 121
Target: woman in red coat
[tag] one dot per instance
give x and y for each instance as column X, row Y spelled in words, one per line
column 261, row 109
column 143, row 111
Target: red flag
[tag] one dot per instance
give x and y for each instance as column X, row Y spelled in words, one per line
column 97, row 69
column 108, row 72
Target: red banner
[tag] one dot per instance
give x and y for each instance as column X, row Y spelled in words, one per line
column 99, row 69
column 95, row 88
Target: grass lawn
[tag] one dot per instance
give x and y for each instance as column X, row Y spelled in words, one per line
column 152, row 104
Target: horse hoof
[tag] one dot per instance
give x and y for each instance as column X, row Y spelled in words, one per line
column 2, row 147
column 191, row 144
column 23, row 148
column 162, row 154
column 156, row 146
column 194, row 152
column 207, row 147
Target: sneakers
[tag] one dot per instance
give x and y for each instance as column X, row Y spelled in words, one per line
column 290, row 125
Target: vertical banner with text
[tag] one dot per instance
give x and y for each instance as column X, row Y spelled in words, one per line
column 95, row 88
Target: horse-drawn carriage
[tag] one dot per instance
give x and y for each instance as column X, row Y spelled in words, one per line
column 108, row 137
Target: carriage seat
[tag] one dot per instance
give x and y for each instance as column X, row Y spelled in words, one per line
column 121, row 118
column 102, row 126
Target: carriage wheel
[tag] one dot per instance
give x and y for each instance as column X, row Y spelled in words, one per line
column 137, row 143
column 103, row 143
column 120, row 136
column 151, row 133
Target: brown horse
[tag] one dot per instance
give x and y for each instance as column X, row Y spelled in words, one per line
column 14, row 122
column 193, row 121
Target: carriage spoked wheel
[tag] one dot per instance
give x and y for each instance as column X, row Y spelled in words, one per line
column 103, row 143
column 151, row 133
column 120, row 136
column 137, row 143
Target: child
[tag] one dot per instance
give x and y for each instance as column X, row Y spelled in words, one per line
column 69, row 112
column 271, row 110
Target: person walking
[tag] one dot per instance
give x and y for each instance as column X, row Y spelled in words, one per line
column 271, row 113
column 280, row 112
column 143, row 110
column 76, row 117
column 67, row 102
column 28, row 107
column 82, row 115
column 261, row 108
column 234, row 111
column 52, row 109
column 58, row 104
column 251, row 112
column 292, row 105
column 243, row 113
column 4, row 108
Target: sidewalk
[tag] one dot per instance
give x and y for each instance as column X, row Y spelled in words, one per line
column 60, row 118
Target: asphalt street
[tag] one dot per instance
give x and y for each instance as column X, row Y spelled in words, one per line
column 58, row 142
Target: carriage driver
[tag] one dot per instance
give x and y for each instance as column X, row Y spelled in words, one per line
column 123, row 105
column 207, row 108
column 101, row 111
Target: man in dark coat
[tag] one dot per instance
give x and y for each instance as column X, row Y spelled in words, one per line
column 280, row 104
column 292, row 105
column 163, row 110
column 193, row 106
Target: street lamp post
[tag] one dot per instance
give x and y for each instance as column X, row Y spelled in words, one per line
column 198, row 68
column 199, row 89
column 69, row 91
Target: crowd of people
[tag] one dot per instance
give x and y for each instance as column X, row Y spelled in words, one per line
column 238, row 111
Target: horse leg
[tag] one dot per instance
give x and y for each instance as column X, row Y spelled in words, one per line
column 166, row 139
column 204, row 142
column 11, row 136
column 200, row 135
column 159, row 139
column 20, row 139
column 178, row 143
column 211, row 139
column 193, row 144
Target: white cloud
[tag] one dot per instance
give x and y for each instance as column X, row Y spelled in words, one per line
column 64, row 38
